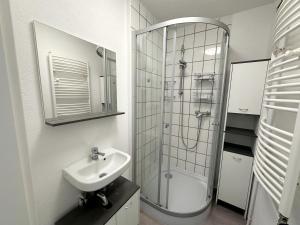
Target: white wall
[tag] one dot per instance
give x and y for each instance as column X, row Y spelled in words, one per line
column 51, row 149
column 13, row 207
column 251, row 33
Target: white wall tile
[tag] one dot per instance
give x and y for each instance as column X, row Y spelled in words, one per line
column 197, row 67
column 191, row 156
column 188, row 55
column 179, row 42
column 181, row 164
column 189, row 29
column 189, row 41
column 135, row 4
column 199, row 39
column 190, row 167
column 211, row 37
column 180, row 31
column 143, row 10
column 200, row 27
column 200, row 159
column 181, row 154
column 134, row 19
column 143, row 23
column 199, row 170
column 198, row 54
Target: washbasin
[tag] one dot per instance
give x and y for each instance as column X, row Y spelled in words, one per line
column 91, row 175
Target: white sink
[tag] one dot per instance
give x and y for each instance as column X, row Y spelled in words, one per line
column 91, row 175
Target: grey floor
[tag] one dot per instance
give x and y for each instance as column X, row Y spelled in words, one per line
column 219, row 216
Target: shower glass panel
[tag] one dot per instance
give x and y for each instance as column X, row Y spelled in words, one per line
column 176, row 143
column 149, row 67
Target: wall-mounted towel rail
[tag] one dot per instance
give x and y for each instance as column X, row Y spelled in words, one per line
column 70, row 86
column 277, row 156
column 287, row 19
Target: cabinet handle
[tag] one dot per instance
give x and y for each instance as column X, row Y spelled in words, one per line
column 237, row 158
column 243, row 110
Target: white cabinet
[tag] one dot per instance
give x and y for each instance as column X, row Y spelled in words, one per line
column 129, row 213
column 235, row 179
column 247, row 87
column 112, row 221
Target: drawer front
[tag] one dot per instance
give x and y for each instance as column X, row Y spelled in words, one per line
column 235, row 179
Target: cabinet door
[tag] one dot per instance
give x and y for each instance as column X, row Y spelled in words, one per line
column 247, row 87
column 129, row 213
column 235, row 179
column 112, row 221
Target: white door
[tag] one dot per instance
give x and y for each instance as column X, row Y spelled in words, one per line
column 235, row 179
column 247, row 87
column 129, row 213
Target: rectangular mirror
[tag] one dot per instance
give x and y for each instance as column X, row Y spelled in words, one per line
column 78, row 78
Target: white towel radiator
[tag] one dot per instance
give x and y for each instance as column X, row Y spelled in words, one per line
column 277, row 156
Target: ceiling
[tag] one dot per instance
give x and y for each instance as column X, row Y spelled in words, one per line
column 170, row 9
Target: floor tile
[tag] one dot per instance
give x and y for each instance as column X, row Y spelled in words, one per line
column 219, row 216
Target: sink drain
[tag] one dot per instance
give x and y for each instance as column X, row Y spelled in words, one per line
column 102, row 175
column 168, row 176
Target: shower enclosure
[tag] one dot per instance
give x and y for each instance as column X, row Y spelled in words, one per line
column 179, row 78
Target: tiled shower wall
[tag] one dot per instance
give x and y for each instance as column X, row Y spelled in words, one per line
column 148, row 107
column 202, row 44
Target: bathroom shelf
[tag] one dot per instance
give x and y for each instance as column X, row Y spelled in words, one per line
column 240, row 131
column 205, row 77
column 79, row 118
column 238, row 149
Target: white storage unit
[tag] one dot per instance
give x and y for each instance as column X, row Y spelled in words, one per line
column 129, row 213
column 235, row 179
column 247, row 87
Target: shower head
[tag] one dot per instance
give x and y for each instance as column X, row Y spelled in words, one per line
column 99, row 51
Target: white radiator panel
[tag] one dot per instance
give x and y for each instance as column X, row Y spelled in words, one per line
column 69, row 85
column 277, row 156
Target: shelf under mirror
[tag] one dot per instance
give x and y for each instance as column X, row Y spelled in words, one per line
column 79, row 118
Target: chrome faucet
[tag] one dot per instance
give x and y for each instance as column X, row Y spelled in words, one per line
column 95, row 153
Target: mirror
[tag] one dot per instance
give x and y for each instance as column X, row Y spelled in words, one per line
column 78, row 78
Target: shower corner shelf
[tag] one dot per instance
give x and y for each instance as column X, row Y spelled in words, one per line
column 240, row 131
column 79, row 118
column 204, row 77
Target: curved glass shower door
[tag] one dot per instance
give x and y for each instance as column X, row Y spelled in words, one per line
column 176, row 143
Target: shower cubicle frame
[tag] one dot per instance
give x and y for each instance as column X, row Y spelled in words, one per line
column 165, row 25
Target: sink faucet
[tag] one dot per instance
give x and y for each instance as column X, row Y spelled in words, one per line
column 95, row 153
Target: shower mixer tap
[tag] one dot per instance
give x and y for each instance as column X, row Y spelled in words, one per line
column 199, row 114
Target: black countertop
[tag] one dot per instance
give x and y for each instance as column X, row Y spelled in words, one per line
column 118, row 194
column 240, row 131
column 238, row 149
